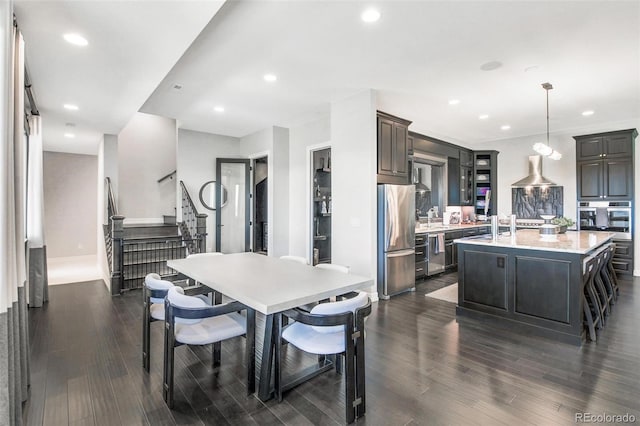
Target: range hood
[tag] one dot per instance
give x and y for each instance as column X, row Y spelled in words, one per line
column 535, row 177
column 420, row 187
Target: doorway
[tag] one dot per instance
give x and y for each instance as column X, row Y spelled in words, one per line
column 232, row 205
column 260, row 205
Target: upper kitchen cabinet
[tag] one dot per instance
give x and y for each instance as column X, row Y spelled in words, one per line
column 605, row 165
column 393, row 149
column 605, row 145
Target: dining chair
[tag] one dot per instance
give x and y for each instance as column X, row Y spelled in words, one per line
column 153, row 294
column 335, row 328
column 333, row 267
column 298, row 259
column 191, row 321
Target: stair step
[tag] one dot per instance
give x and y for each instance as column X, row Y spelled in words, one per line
column 142, row 231
column 154, row 255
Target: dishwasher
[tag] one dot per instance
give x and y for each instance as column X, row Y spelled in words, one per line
column 436, row 253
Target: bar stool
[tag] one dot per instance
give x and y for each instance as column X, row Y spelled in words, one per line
column 606, row 278
column 601, row 290
column 612, row 272
column 590, row 303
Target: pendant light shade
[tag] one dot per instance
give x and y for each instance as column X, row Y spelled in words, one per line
column 541, row 148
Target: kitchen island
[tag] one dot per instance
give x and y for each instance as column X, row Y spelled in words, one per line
column 527, row 283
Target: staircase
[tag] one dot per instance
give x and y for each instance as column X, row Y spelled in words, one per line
column 146, row 249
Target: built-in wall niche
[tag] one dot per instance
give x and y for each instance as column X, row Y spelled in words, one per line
column 260, row 210
column 321, row 206
column 530, row 203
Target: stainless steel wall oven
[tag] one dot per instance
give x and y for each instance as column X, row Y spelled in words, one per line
column 612, row 216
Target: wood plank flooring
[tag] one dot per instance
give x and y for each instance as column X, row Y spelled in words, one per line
column 423, row 367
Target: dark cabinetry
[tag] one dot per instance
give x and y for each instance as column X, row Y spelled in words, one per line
column 421, row 255
column 451, row 254
column 605, row 165
column 466, row 177
column 393, row 149
column 623, row 257
column 485, row 166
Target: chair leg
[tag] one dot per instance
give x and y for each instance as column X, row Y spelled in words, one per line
column 216, row 353
column 360, row 375
column 589, row 319
column 338, row 362
column 350, row 381
column 146, row 334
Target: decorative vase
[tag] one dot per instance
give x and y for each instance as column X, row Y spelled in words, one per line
column 563, row 229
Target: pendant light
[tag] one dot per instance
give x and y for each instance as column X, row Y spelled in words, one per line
column 541, row 148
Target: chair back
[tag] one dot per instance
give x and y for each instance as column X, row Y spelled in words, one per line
column 298, row 259
column 177, row 298
column 333, row 267
column 340, row 307
column 213, row 253
column 157, row 286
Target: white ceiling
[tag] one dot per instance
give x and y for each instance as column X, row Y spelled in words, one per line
column 418, row 56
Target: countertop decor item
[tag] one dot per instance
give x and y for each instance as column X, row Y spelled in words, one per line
column 563, row 223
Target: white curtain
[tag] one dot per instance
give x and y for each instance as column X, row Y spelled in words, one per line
column 38, row 291
column 14, row 379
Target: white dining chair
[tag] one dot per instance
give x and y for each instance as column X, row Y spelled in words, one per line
column 153, row 294
column 298, row 259
column 191, row 321
column 333, row 267
column 335, row 328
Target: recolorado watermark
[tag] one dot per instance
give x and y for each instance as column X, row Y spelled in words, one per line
column 604, row 418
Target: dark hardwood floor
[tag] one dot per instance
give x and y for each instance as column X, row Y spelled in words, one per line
column 423, row 367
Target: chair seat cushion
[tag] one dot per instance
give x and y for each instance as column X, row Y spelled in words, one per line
column 306, row 338
column 156, row 310
column 211, row 330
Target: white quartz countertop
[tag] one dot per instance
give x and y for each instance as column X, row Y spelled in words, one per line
column 581, row 242
column 438, row 227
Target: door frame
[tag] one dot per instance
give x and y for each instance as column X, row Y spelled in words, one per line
column 253, row 202
column 247, row 201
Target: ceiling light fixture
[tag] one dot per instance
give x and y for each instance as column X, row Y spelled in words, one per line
column 370, row 15
column 270, row 78
column 75, row 39
column 70, row 107
column 69, row 135
column 218, row 109
column 587, row 113
column 540, row 147
column 505, row 127
column 483, row 116
column 454, row 101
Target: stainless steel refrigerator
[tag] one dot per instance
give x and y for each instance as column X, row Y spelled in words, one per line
column 396, row 239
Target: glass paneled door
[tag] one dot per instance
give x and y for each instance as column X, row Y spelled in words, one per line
column 232, row 205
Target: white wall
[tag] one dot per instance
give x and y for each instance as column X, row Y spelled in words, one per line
column 196, row 164
column 513, row 166
column 353, row 168
column 302, row 140
column 70, row 204
column 146, row 153
column 107, row 167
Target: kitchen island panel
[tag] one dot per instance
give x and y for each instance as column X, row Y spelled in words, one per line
column 490, row 288
column 542, row 288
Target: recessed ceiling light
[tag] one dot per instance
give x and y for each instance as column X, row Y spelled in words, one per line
column 587, row 113
column 76, row 39
column 505, row 127
column 483, row 116
column 370, row 15
column 69, row 135
column 71, row 107
column 532, row 68
column 270, row 77
column 490, row 66
column 177, row 86
column 218, row 109
column 454, row 101
column 70, row 124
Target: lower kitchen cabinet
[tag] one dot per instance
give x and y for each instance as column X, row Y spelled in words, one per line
column 623, row 257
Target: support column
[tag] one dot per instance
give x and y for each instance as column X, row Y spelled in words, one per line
column 117, row 236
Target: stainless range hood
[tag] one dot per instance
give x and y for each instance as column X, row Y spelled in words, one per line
column 420, row 187
column 535, row 177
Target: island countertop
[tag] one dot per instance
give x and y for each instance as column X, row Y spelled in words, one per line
column 581, row 242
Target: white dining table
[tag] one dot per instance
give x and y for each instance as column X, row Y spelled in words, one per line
column 268, row 285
